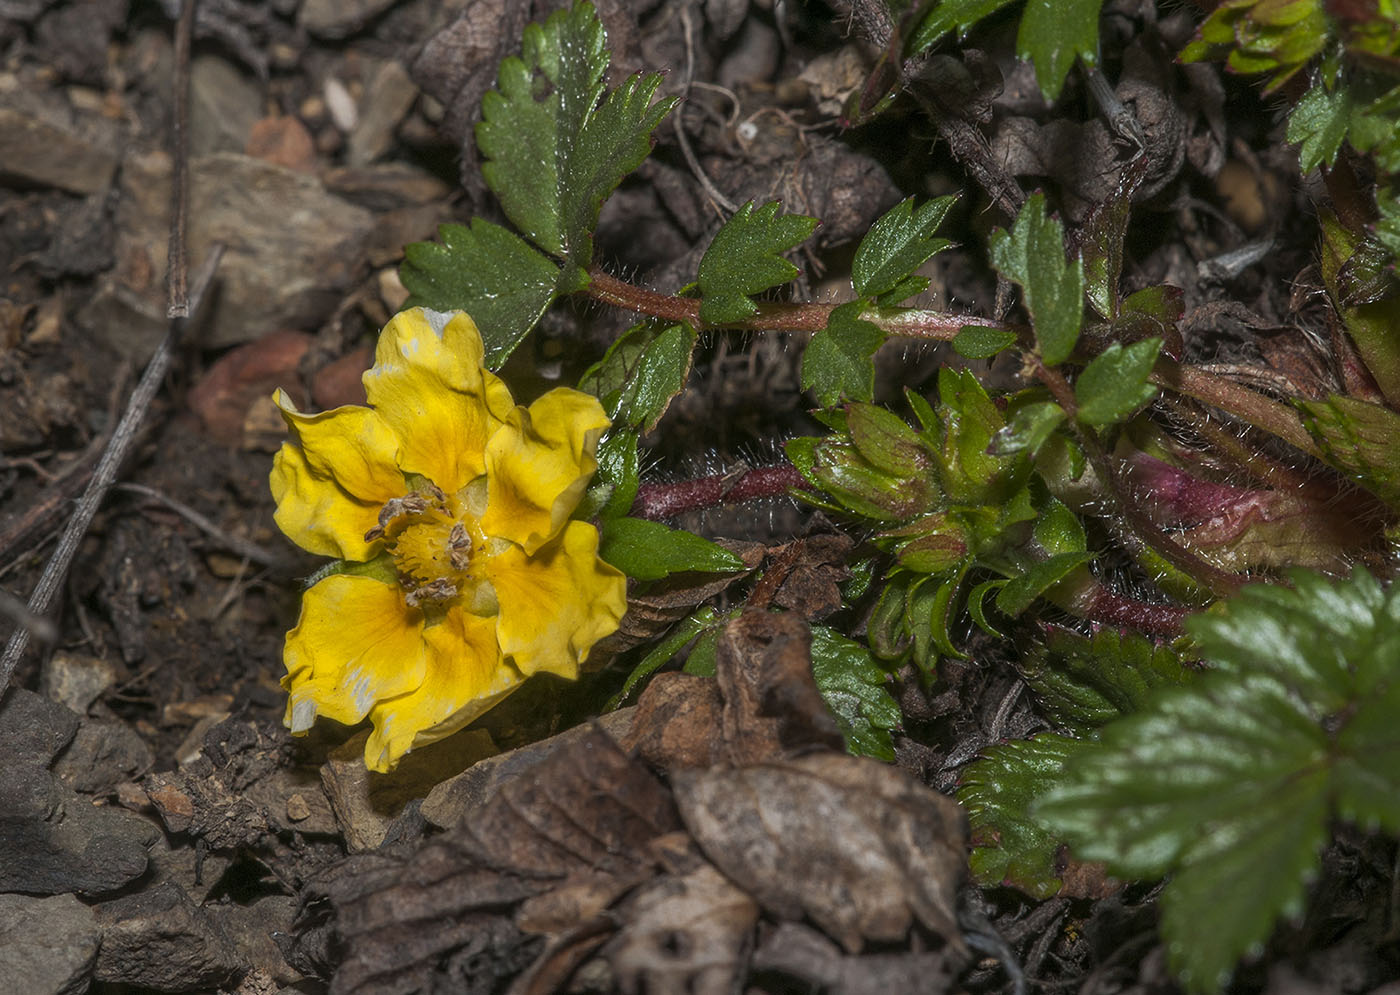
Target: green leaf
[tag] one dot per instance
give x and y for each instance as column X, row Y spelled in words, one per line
column 648, row 550
column 661, row 654
column 1027, row 429
column 897, row 244
column 838, row 362
column 977, row 609
column 1083, row 681
column 1021, row 592
column 1228, row 784
column 554, row 146
column 615, row 482
column 977, row 342
column 1388, row 227
column 1115, row 385
column 490, row 273
column 1053, row 33
column 928, row 613
column 641, row 372
column 1032, row 254
column 1008, row 846
column 1319, row 123
column 1358, row 438
column 701, row 661
column 745, row 257
column 948, row 15
column 854, row 687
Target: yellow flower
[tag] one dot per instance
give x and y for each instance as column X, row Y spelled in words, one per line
column 452, row 504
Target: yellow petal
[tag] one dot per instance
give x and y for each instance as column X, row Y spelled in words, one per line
column 330, row 483
column 556, row 604
column 357, row 642
column 465, row 676
column 428, row 384
column 538, row 465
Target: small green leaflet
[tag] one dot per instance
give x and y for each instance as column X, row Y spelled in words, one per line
column 555, row 147
column 839, row 361
column 661, row 654
column 897, row 244
column 615, row 483
column 1229, row 784
column 745, row 257
column 641, row 372
column 1021, row 592
column 853, row 685
column 1358, row 438
column 1053, row 33
column 490, row 273
column 1115, row 385
column 1319, row 124
column 949, row 15
column 647, row 550
column 1032, row 254
column 997, row 790
column 977, row 342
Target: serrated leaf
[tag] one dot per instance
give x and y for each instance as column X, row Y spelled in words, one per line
column 1228, row 784
column 1358, row 438
column 745, row 257
column 641, row 372
column 977, row 342
column 1318, row 124
column 899, row 242
column 948, row 15
column 854, row 687
column 648, row 550
column 1083, row 681
column 1020, row 592
column 1032, row 254
column 1053, row 33
column 554, row 146
column 1115, row 385
column 997, row 790
column 490, row 273
column 838, row 362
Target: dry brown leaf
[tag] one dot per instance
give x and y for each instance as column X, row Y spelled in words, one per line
column 863, row 849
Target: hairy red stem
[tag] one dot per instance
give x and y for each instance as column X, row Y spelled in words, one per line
column 662, row 501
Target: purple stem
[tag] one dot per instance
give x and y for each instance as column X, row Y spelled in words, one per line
column 661, row 501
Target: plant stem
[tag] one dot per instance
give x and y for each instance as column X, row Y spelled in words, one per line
column 662, row 501
column 1140, row 526
column 1232, row 398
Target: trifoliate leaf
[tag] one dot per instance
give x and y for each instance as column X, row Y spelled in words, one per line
column 745, row 257
column 1033, row 255
column 1053, row 33
column 641, row 372
column 1081, row 682
column 897, row 244
column 1319, row 123
column 1008, row 846
column 1358, row 438
column 949, row 15
column 854, row 687
column 648, row 550
column 555, row 147
column 490, row 273
column 1021, row 592
column 976, row 342
column 1228, row 784
column 1115, row 385
column 838, row 362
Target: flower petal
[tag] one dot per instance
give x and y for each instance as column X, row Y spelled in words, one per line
column 556, row 604
column 538, row 465
column 427, row 382
column 330, row 483
column 357, row 643
column 465, row 676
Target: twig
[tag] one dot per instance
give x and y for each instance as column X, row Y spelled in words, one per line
column 681, row 137
column 177, row 300
column 250, row 551
column 125, row 433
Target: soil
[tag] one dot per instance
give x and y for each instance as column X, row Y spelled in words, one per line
column 325, row 136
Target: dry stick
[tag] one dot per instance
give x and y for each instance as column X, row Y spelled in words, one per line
column 125, row 433
column 248, row 550
column 177, row 300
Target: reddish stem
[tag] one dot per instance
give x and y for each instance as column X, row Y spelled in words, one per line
column 1107, row 607
column 662, row 501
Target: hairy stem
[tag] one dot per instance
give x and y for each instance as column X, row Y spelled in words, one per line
column 662, row 501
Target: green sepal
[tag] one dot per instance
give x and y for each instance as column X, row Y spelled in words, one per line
column 380, row 568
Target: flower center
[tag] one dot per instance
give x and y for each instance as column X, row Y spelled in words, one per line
column 433, row 541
